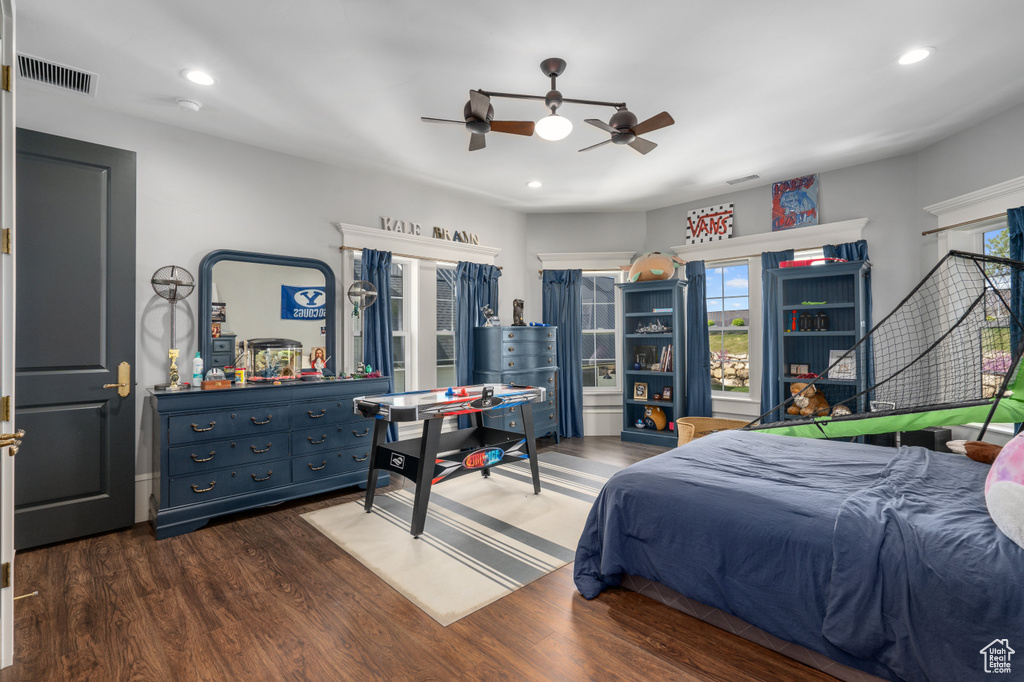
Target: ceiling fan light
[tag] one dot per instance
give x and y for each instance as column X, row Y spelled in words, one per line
column 553, row 127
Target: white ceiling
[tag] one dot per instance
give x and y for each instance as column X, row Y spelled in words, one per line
column 774, row 88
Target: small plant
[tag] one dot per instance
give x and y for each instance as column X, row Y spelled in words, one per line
column 711, row 323
column 739, row 322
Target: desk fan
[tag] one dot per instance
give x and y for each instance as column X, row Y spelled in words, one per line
column 174, row 284
column 362, row 295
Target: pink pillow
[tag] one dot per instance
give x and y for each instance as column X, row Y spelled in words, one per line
column 1004, row 490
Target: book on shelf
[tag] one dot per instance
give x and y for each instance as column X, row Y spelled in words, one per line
column 661, row 310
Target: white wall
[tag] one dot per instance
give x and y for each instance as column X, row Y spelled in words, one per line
column 198, row 193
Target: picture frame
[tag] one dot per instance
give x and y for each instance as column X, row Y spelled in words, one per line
column 847, row 369
column 666, row 393
column 796, row 369
column 639, row 390
column 318, row 354
column 219, row 313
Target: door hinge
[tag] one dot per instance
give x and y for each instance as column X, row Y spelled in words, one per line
column 5, row 409
column 5, row 575
column 5, row 240
column 5, row 77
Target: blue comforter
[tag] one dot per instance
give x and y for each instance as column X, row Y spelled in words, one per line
column 885, row 562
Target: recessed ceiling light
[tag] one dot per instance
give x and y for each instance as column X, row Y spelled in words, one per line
column 198, row 77
column 534, row 184
column 915, row 55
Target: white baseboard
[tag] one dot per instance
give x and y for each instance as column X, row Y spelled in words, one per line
column 144, row 484
column 602, row 421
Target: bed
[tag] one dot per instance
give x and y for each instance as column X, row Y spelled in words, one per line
column 883, row 560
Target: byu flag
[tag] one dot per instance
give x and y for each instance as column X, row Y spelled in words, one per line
column 302, row 303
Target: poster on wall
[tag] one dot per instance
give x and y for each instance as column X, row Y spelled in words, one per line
column 795, row 203
column 303, row 303
column 709, row 224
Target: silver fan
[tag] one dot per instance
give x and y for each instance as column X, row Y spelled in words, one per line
column 173, row 283
column 362, row 295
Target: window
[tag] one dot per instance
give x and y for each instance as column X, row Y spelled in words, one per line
column 728, row 305
column 399, row 332
column 600, row 347
column 445, row 327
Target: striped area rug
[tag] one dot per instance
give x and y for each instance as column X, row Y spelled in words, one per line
column 484, row 537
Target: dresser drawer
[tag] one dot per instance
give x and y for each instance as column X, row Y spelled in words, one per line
column 332, row 436
column 514, row 363
column 311, row 466
column 320, row 412
column 541, row 378
column 243, row 421
column 223, row 345
column 188, row 459
column 528, row 334
column 517, row 348
column 230, row 481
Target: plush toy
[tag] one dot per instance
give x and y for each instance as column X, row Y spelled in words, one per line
column 809, row 402
column 654, row 418
column 652, row 266
column 841, row 410
column 1004, row 490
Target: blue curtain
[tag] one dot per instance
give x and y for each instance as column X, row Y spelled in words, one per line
column 1015, row 221
column 851, row 251
column 476, row 285
column 563, row 308
column 771, row 335
column 377, row 344
column 698, row 352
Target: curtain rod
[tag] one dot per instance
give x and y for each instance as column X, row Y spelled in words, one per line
column 409, row 255
column 966, row 222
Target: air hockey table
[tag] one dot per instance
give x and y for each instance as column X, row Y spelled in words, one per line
column 436, row 457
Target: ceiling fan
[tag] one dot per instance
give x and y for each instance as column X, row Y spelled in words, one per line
column 625, row 129
column 479, row 114
column 623, row 125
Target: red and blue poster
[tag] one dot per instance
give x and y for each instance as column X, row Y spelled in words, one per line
column 795, row 203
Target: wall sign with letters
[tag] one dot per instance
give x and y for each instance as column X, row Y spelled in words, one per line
column 710, row 224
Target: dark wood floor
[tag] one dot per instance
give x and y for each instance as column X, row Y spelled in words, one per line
column 264, row 596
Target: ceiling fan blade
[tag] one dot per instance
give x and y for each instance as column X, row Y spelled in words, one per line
column 643, row 146
column 479, row 103
column 662, row 120
column 594, row 146
column 513, row 127
column 426, row 119
column 477, row 141
column 600, row 124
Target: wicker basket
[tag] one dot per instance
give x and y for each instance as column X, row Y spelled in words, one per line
column 690, row 428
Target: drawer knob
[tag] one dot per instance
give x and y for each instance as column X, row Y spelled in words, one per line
column 265, row 478
column 316, row 416
column 195, row 427
column 512, row 424
column 317, row 442
column 511, row 364
column 360, row 435
column 549, row 361
column 204, row 490
column 511, row 335
column 549, row 335
column 366, row 456
column 269, row 417
column 549, row 346
column 551, row 416
column 196, row 459
column 259, row 452
column 511, row 349
column 323, row 465
column 551, row 380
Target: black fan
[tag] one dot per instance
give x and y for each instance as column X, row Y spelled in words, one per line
column 478, row 115
column 625, row 129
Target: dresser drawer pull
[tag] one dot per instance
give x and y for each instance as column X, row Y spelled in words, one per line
column 551, row 416
column 323, row 465
column 360, row 435
column 204, row 490
column 549, row 346
column 512, row 424
column 269, row 417
column 317, row 442
column 265, row 478
column 511, row 364
column 511, row 335
column 511, row 349
column 195, row 427
column 549, row 335
column 196, row 459
column 260, row 452
column 551, row 380
column 549, row 361
column 366, row 456
column 316, row 416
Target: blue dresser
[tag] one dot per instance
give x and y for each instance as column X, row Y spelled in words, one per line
column 523, row 356
column 224, row 451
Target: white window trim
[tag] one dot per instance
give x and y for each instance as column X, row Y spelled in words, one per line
column 753, row 332
column 602, row 261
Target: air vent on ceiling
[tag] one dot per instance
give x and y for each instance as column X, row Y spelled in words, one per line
column 745, row 178
column 56, row 75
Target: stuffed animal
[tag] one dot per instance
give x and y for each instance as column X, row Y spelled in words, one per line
column 1004, row 490
column 807, row 401
column 653, row 266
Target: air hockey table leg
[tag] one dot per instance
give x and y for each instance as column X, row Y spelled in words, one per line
column 425, row 473
column 380, row 431
column 526, row 409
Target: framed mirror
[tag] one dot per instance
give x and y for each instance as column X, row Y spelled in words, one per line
column 246, row 296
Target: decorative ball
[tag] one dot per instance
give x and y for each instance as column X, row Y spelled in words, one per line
column 639, row 423
column 1004, row 490
column 636, row 365
column 654, row 418
column 368, row 369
